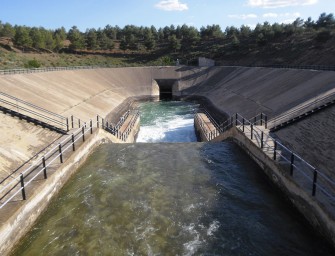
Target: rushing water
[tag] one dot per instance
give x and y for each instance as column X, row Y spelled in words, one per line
column 167, row 121
column 170, row 199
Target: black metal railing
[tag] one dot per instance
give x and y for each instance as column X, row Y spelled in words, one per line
column 16, row 188
column 303, row 173
column 34, row 113
column 119, row 130
column 302, row 111
column 308, row 177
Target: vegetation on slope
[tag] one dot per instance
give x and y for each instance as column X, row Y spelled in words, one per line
column 299, row 43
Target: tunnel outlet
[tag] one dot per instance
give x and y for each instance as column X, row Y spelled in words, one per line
column 165, row 88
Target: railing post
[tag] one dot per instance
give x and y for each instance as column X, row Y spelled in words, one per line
column 266, row 121
column 315, row 177
column 60, row 153
column 252, row 131
column 262, row 140
column 103, row 123
column 44, row 168
column 97, row 121
column 72, row 121
column 73, row 146
column 275, row 150
column 91, row 126
column 22, row 186
column 67, row 124
column 243, row 123
column 83, row 131
column 79, row 123
column 292, row 164
column 236, row 116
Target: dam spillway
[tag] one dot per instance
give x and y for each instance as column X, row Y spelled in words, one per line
column 171, row 199
column 249, row 91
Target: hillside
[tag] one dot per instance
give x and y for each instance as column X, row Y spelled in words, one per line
column 300, row 43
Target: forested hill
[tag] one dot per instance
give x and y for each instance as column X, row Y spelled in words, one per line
column 303, row 42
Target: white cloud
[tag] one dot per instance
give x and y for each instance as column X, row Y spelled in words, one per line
column 243, row 16
column 276, row 15
column 171, row 5
column 270, row 15
column 279, row 3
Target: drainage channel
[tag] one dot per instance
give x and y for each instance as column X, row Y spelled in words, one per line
column 170, row 199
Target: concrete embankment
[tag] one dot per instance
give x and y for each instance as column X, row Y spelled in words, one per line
column 81, row 93
column 250, row 91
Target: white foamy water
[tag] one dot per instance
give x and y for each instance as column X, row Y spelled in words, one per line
column 165, row 123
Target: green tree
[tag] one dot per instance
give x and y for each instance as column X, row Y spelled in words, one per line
column 38, row 41
column 174, row 43
column 326, row 21
column 123, row 45
column 59, row 38
column 149, row 40
column 7, row 30
column 50, row 42
column 22, row 37
column 76, row 38
column 245, row 31
column 91, row 39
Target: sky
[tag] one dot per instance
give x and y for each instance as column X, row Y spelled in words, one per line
column 53, row 14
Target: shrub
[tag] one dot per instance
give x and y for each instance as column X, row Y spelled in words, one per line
column 32, row 64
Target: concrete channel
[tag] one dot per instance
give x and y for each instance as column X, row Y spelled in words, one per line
column 109, row 92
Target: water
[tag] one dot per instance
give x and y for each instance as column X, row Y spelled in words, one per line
column 170, row 199
column 167, row 121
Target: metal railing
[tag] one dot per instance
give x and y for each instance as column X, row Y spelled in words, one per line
column 308, row 67
column 308, row 177
column 207, row 130
column 116, row 130
column 25, row 109
column 303, row 173
column 21, row 182
column 302, row 110
column 47, row 69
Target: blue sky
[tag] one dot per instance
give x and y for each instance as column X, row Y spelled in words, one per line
column 160, row 13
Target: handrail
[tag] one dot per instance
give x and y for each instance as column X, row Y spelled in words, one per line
column 301, row 110
column 284, row 156
column 32, row 105
column 41, row 164
column 47, row 69
column 30, row 110
column 53, row 154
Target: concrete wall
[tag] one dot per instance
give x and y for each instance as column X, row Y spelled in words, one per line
column 82, row 93
column 250, row 91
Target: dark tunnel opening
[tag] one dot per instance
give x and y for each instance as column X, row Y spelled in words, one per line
column 165, row 88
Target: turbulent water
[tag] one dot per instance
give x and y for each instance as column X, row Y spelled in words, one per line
column 170, row 199
column 167, row 121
